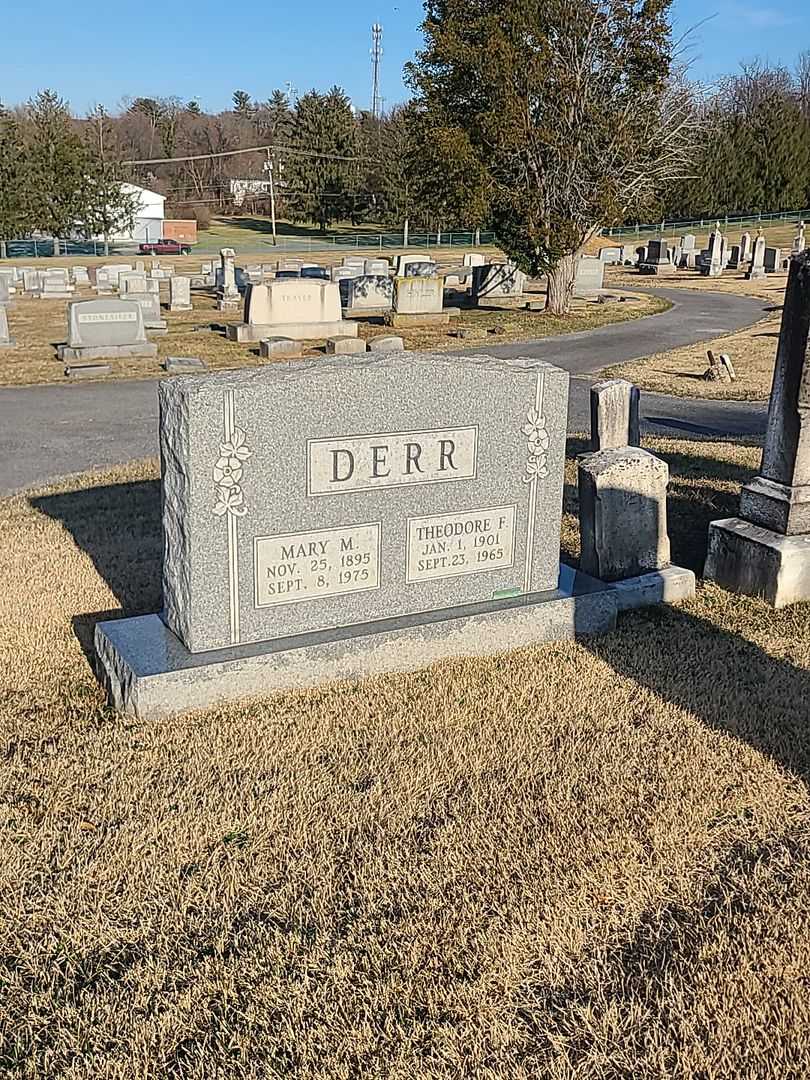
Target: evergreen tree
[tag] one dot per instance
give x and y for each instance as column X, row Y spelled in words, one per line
column 242, row 105
column 322, row 180
column 556, row 114
column 14, row 221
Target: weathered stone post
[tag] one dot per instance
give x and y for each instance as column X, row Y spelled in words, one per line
column 228, row 294
column 614, row 414
column 766, row 550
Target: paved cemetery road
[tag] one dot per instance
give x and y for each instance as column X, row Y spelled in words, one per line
column 51, row 431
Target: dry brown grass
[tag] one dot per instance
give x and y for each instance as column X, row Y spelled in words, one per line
column 581, row 860
column 38, row 325
column 752, row 350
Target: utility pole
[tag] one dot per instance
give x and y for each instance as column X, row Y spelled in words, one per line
column 268, row 168
column 376, row 61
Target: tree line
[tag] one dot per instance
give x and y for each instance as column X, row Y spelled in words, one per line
column 754, row 153
column 581, row 122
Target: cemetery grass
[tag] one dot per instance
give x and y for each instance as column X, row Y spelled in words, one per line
column 752, row 349
column 38, row 325
column 580, row 860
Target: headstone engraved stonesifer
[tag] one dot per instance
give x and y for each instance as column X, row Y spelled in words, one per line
column 99, row 328
column 351, row 515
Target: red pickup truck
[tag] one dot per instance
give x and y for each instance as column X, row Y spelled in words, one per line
column 164, row 247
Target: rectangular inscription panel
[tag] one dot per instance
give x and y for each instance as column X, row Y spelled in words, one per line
column 310, row 565
column 391, row 459
column 467, row 542
column 108, row 316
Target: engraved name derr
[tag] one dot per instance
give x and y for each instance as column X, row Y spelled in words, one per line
column 466, row 542
column 391, row 459
column 311, row 565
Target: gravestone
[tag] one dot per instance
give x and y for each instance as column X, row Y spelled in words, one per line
column 734, row 259
column 5, row 295
column 80, row 275
column 614, row 414
column 687, row 242
column 352, row 515
column 610, row 256
column 6, row 341
column 656, row 259
column 131, row 281
column 315, row 273
column 343, row 273
column 140, row 266
column 745, row 247
column 714, row 262
column 497, row 281
column 356, row 261
column 98, row 328
column 55, row 285
column 227, row 293
column 425, row 268
column 149, row 304
column 297, row 308
column 180, row 294
column 622, row 499
column 370, row 293
column 9, row 280
column 757, row 267
column 403, row 261
column 474, row 258
column 418, row 301
column 112, row 271
column 376, row 267
column 386, row 343
column 344, row 346
column 773, row 260
column 278, row 346
column 766, row 550
column 799, row 242
column 589, row 276
column 282, row 275
column 31, row 281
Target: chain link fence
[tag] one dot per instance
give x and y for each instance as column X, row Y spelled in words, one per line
column 661, row 228
column 35, row 249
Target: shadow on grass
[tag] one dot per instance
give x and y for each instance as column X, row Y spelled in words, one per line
column 724, row 679
column 288, row 228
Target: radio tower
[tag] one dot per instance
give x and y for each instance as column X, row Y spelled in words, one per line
column 376, row 58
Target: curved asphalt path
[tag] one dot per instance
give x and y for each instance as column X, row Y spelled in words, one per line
column 51, row 431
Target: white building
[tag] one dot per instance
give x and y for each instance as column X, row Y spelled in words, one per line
column 149, row 215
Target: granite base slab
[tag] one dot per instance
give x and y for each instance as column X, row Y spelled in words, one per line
column 428, row 318
column 149, row 673
column 746, row 558
column 668, row 586
column 302, row 331
column 97, row 352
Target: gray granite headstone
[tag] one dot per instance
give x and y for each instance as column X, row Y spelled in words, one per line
column 105, row 328
column 5, row 338
column 322, row 494
column 370, row 292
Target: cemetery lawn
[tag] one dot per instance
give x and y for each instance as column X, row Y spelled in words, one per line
column 680, row 371
column 587, row 859
column 38, row 325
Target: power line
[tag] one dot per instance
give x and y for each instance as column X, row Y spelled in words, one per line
column 247, row 150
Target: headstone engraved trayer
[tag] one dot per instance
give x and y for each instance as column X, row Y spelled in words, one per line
column 349, row 507
column 298, row 308
column 101, row 328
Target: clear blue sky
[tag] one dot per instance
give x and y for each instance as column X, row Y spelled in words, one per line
column 93, row 51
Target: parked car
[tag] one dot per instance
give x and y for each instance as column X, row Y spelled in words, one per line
column 164, row 247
